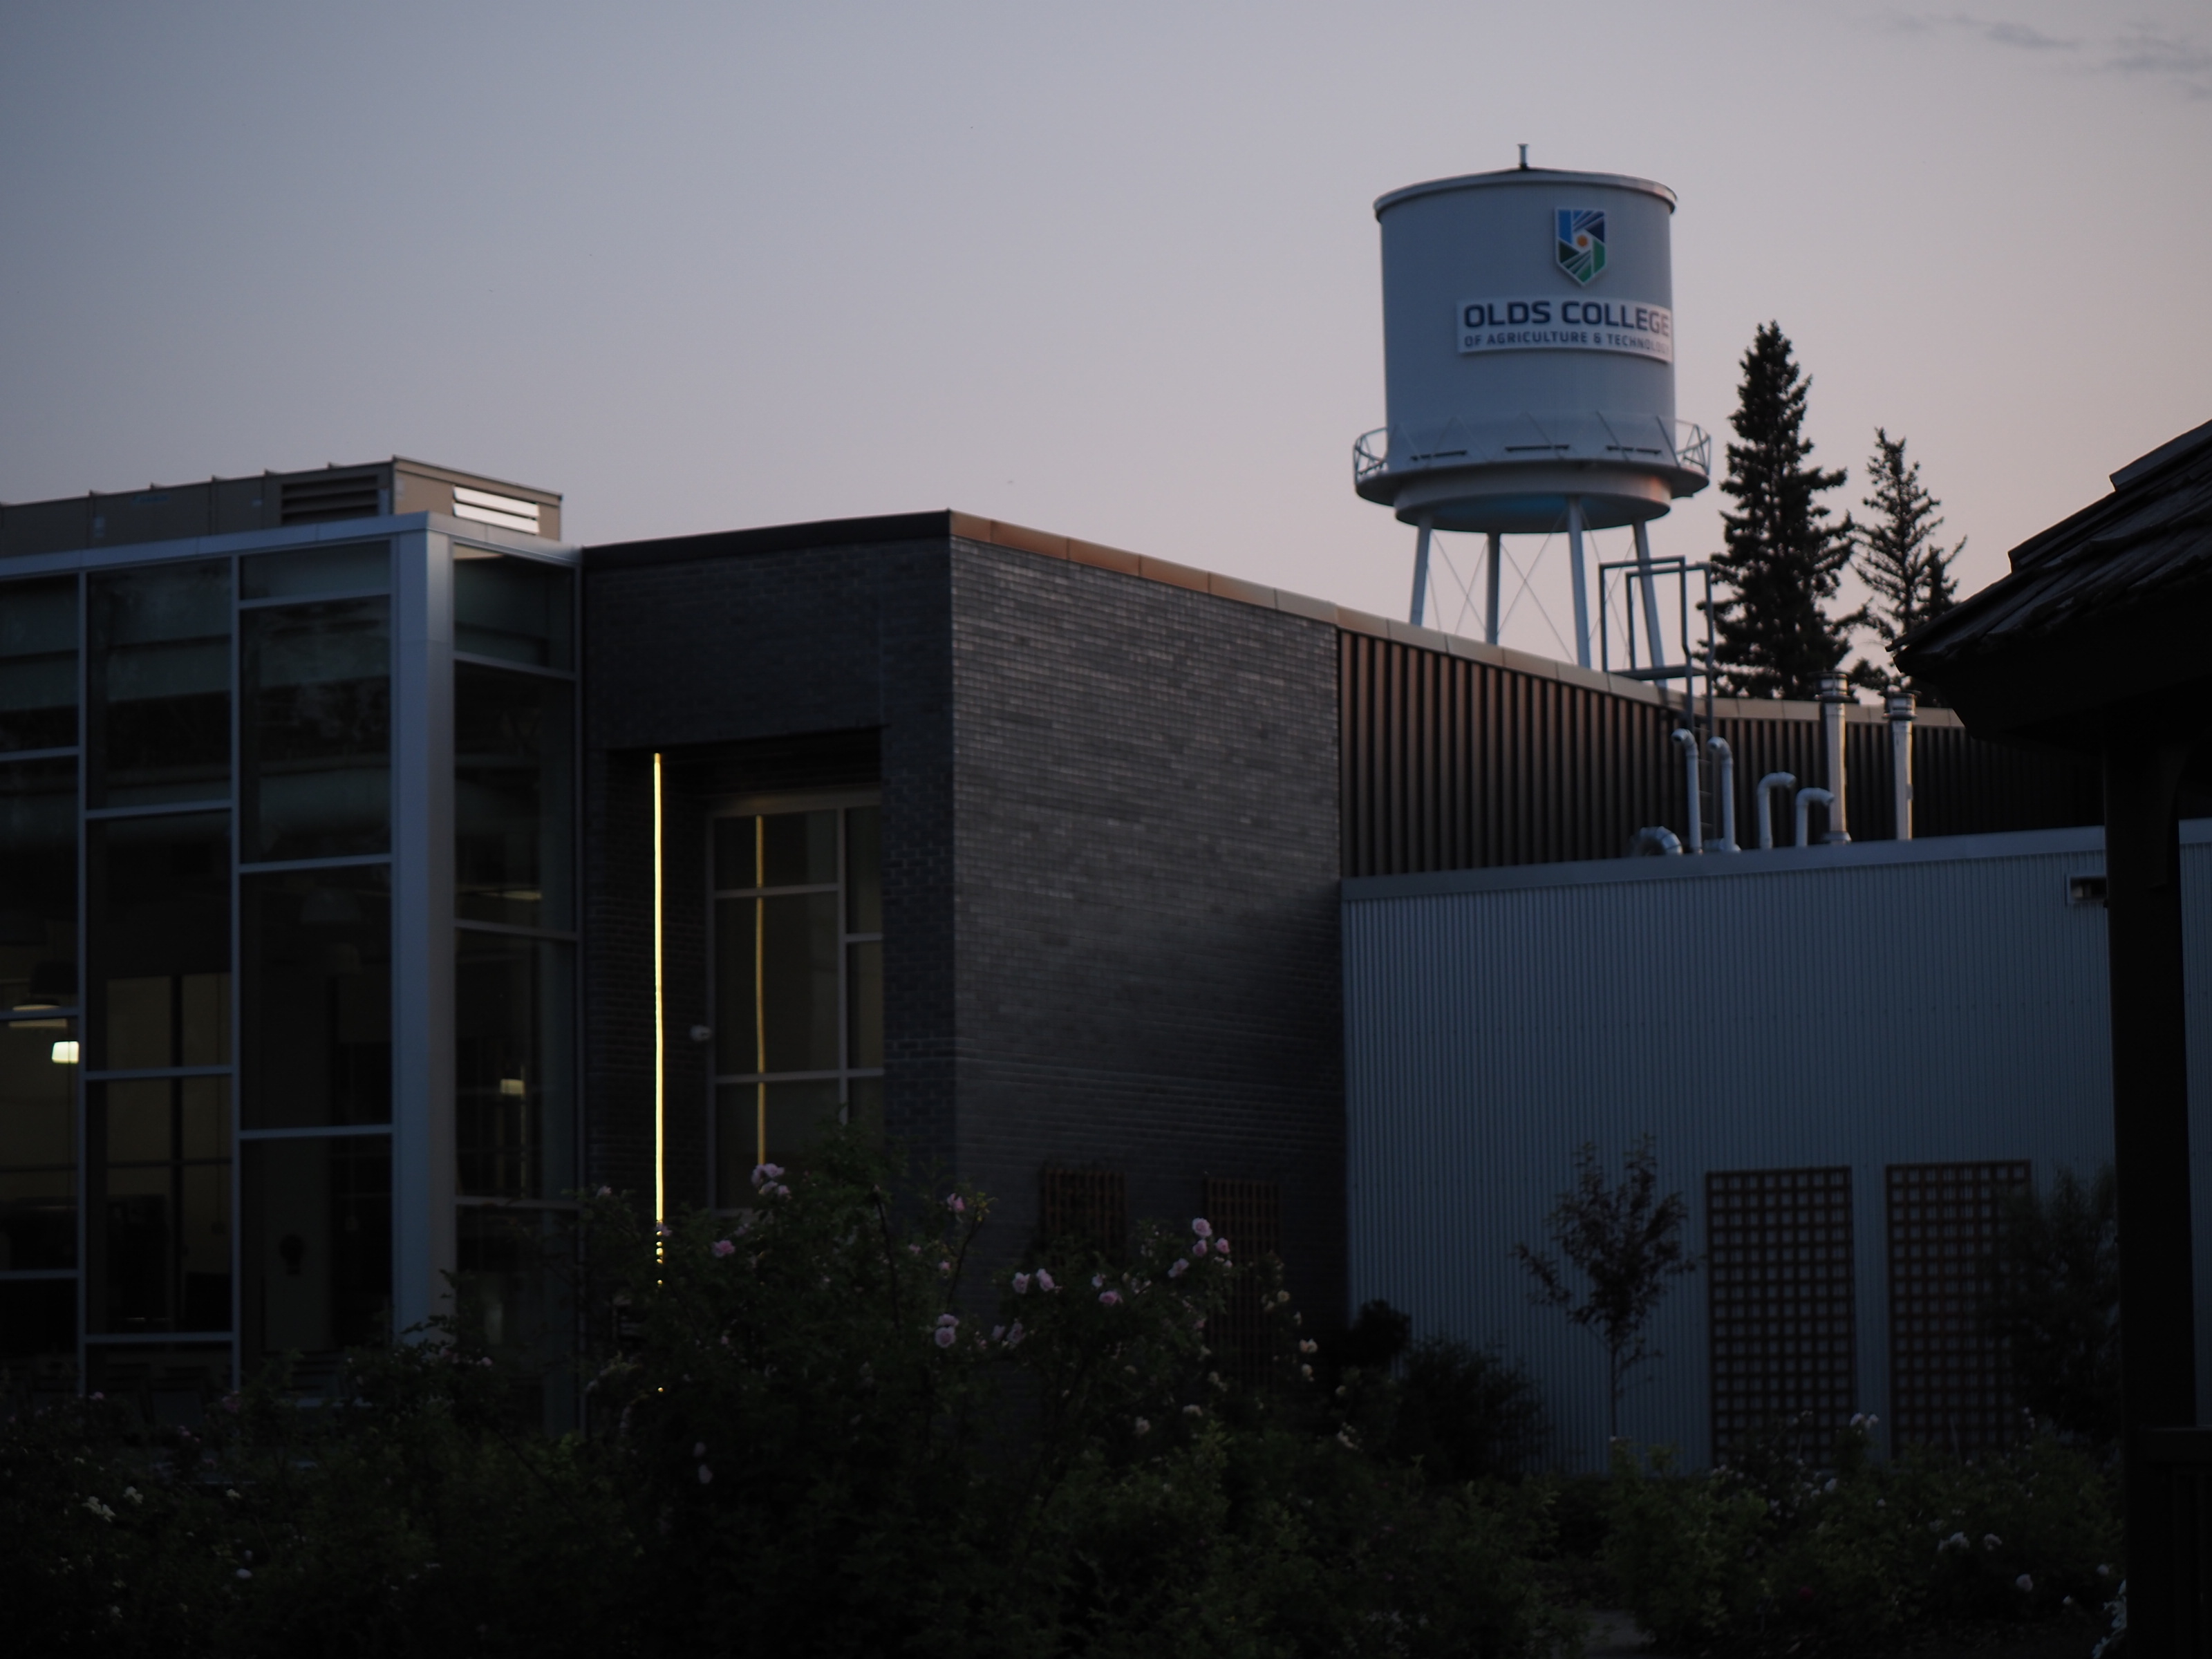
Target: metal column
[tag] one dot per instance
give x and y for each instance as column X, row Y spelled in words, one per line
column 2150, row 1146
column 1650, row 580
column 1582, row 580
column 1421, row 569
column 1492, row 619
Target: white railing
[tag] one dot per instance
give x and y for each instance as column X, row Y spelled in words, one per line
column 1681, row 443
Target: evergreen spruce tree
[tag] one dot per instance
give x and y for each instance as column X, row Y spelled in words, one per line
column 1896, row 552
column 1783, row 557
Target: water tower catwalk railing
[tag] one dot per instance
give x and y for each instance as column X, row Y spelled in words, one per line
column 1603, row 446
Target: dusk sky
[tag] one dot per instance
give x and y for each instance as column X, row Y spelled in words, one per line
column 1110, row 271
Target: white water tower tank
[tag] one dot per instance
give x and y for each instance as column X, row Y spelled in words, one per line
column 1529, row 340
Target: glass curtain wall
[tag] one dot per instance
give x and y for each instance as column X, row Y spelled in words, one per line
column 195, row 968
column 40, row 1032
column 798, row 985
column 515, row 1123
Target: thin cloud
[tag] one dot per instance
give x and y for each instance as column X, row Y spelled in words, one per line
column 2144, row 53
column 2016, row 34
column 2183, row 62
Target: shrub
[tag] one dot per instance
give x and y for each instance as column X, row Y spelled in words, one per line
column 814, row 1432
column 1847, row 1551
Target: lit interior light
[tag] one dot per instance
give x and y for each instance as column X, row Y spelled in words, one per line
column 65, row 1053
column 512, row 1088
column 660, row 1025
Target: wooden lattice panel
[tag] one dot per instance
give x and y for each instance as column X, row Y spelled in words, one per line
column 1086, row 1207
column 1784, row 1348
column 1250, row 1215
column 1949, row 1381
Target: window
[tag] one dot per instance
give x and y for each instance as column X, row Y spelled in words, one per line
column 159, row 675
column 798, row 986
column 1949, row 1384
column 1779, row 1255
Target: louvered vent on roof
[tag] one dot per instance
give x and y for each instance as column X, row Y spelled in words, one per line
column 329, row 495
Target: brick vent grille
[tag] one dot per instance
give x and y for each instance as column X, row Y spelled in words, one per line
column 1250, row 1215
column 1783, row 1334
column 336, row 495
column 1090, row 1206
column 1949, row 1384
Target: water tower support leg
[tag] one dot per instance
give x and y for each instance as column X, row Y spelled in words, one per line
column 1643, row 575
column 1421, row 570
column 1582, row 580
column 1490, row 589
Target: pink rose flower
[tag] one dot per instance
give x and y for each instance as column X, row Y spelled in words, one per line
column 706, row 1474
column 723, row 1247
column 1180, row 1268
column 1044, row 1281
column 946, row 1336
column 1021, row 1284
column 1199, row 1248
column 1202, row 1227
column 1221, row 1247
column 1110, row 1298
column 956, row 1204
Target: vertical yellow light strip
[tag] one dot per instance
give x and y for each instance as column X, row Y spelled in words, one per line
column 660, row 1025
column 760, row 993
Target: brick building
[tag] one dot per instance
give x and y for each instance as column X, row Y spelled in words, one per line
column 334, row 807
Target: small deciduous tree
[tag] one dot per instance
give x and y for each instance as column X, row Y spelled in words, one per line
column 1896, row 554
column 1783, row 556
column 1627, row 1242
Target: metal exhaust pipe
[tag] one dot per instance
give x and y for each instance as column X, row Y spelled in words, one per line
column 1767, row 786
column 1834, row 697
column 1804, row 799
column 1695, row 841
column 1724, row 792
column 1899, row 709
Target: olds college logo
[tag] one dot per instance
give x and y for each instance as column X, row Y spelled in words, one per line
column 1581, row 242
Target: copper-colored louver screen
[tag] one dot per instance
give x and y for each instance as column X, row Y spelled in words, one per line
column 1250, row 1215
column 1779, row 1255
column 1948, row 1381
column 1090, row 1206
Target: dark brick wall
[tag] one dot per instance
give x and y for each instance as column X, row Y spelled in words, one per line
column 1110, row 859
column 1146, row 918
column 720, row 659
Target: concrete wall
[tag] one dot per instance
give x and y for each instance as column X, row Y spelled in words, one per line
column 1863, row 1006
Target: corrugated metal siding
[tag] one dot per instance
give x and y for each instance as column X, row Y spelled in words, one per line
column 1451, row 764
column 1842, row 1007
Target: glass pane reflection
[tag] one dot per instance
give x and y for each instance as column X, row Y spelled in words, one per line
column 160, row 679
column 159, row 1189
column 318, row 729
column 514, row 1103
column 160, row 941
column 38, row 664
column 317, row 1022
column 516, row 609
column 514, row 816
column 38, row 1145
column 316, row 1249
column 37, row 884
column 767, row 1122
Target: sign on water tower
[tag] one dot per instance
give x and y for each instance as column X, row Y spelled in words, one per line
column 1529, row 339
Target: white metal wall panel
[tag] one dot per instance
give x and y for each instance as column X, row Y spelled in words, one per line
column 1876, row 1004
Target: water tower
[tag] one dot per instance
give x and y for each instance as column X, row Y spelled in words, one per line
column 1529, row 341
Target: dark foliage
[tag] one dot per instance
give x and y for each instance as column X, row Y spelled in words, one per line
column 1467, row 1414
column 800, row 1444
column 1783, row 556
column 2053, row 1299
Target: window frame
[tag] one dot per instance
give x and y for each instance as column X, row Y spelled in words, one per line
column 772, row 804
